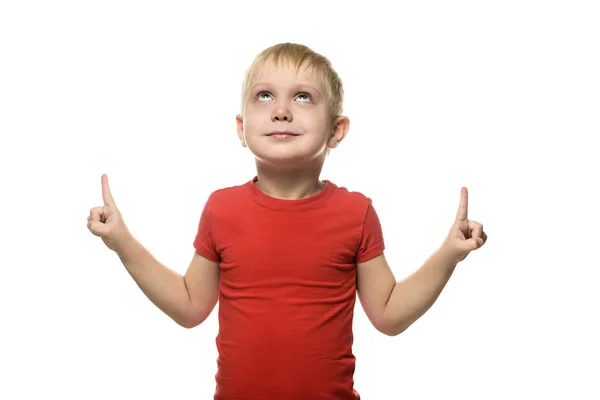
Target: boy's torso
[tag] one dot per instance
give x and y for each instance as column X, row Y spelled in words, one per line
column 287, row 293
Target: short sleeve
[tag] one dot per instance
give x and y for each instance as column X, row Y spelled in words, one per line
column 371, row 242
column 203, row 242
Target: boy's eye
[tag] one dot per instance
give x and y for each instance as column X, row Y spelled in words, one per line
column 260, row 95
column 264, row 95
column 304, row 95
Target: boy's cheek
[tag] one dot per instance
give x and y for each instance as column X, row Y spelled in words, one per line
column 251, row 128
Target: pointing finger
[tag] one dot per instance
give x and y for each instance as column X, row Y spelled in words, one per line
column 461, row 215
column 106, row 194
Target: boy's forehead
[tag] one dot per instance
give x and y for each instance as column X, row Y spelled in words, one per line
column 284, row 70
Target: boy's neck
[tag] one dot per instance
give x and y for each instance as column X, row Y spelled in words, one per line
column 289, row 185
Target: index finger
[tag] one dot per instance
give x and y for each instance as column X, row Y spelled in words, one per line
column 461, row 215
column 106, row 195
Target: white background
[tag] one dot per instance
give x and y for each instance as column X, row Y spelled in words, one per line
column 500, row 97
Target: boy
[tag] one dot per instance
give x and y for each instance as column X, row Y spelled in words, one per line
column 285, row 253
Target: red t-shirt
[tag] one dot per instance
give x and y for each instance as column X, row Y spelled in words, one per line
column 287, row 289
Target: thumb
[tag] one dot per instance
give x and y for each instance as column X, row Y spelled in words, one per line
column 475, row 243
column 98, row 228
column 470, row 244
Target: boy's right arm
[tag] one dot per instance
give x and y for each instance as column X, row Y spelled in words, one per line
column 188, row 299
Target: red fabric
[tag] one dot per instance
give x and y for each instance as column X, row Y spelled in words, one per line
column 287, row 289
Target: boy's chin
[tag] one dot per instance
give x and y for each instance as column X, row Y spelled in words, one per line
column 290, row 160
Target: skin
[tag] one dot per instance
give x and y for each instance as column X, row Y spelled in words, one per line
column 279, row 99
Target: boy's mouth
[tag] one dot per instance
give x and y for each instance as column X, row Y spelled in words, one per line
column 282, row 133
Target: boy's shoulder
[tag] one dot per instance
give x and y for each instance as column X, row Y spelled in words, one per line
column 349, row 196
column 229, row 191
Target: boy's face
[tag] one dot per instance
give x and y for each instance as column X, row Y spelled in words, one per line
column 279, row 100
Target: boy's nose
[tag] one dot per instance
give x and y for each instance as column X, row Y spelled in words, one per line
column 281, row 114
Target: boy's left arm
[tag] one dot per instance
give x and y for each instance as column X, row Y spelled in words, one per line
column 393, row 306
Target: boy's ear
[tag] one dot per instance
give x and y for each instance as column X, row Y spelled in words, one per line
column 341, row 125
column 240, row 128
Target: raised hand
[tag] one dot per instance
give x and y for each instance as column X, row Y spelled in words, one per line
column 106, row 221
column 464, row 236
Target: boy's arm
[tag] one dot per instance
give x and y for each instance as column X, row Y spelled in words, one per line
column 393, row 306
column 188, row 299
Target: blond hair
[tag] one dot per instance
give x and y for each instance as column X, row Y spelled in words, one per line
column 299, row 55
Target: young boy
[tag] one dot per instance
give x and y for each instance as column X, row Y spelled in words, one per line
column 285, row 253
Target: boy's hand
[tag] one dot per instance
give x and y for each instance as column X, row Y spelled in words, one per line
column 106, row 221
column 464, row 236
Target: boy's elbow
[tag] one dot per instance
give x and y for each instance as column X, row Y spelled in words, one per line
column 394, row 333
column 186, row 324
column 193, row 320
column 391, row 330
